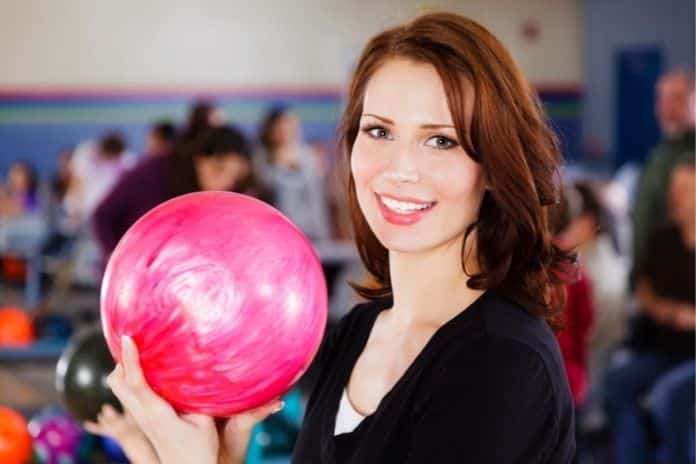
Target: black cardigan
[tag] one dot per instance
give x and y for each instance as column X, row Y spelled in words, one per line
column 489, row 387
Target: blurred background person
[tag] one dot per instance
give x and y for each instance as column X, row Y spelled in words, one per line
column 290, row 170
column 579, row 312
column 60, row 227
column 160, row 140
column 19, row 195
column 21, row 223
column 659, row 362
column 61, row 178
column 592, row 231
column 95, row 168
column 674, row 108
column 219, row 158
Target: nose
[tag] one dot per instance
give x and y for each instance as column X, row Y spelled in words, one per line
column 403, row 167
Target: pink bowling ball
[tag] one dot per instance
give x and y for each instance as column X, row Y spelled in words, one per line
column 224, row 297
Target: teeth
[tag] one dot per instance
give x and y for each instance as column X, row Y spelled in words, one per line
column 403, row 206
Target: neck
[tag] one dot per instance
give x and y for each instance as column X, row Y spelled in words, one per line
column 429, row 288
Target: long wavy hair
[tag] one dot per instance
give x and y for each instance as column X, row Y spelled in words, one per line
column 508, row 136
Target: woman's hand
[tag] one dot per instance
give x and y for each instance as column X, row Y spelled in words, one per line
column 236, row 431
column 177, row 438
column 123, row 429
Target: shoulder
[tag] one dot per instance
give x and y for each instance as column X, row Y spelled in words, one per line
column 507, row 323
column 152, row 164
column 128, row 160
column 685, row 143
column 147, row 168
column 509, row 375
column 657, row 163
column 514, row 354
column 83, row 154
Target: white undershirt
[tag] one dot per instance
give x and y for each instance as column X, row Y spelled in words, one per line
column 347, row 418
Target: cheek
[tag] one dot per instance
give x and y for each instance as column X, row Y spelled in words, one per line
column 457, row 180
column 228, row 175
column 365, row 164
column 212, row 177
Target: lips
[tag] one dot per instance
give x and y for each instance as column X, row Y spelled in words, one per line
column 403, row 211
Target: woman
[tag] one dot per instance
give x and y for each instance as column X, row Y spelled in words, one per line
column 21, row 225
column 452, row 176
column 290, row 169
column 592, row 233
column 217, row 159
column 20, row 195
column 574, row 228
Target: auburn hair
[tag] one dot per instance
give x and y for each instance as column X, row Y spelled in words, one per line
column 508, row 136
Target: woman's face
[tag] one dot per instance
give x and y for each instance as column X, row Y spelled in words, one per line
column 221, row 172
column 18, row 178
column 286, row 130
column 581, row 231
column 416, row 186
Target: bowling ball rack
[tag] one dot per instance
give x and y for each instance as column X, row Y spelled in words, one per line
column 39, row 350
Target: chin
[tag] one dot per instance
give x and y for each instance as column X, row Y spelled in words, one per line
column 413, row 240
column 405, row 244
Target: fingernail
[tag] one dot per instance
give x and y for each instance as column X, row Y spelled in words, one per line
column 279, row 407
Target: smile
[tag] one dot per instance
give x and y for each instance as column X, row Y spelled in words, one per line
column 403, row 211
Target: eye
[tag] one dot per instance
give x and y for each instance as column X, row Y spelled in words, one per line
column 441, row 142
column 377, row 132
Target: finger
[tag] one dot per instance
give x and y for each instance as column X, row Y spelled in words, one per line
column 134, row 376
column 277, row 407
column 270, row 408
column 109, row 411
column 93, row 428
column 270, row 405
column 131, row 362
column 123, row 392
column 133, row 373
column 199, row 420
column 140, row 401
column 263, row 412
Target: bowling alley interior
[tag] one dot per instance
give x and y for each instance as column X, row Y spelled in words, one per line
column 183, row 222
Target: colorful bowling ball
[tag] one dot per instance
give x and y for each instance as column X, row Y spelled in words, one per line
column 57, row 437
column 16, row 328
column 81, row 375
column 15, row 441
column 224, row 297
column 113, row 451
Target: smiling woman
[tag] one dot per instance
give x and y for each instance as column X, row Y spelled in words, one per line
column 452, row 182
column 452, row 86
column 452, row 177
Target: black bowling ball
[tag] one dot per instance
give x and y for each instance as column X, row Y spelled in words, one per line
column 81, row 375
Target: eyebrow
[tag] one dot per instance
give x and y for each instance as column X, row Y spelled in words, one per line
column 424, row 126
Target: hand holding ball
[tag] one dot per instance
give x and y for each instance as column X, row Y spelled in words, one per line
column 224, row 297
